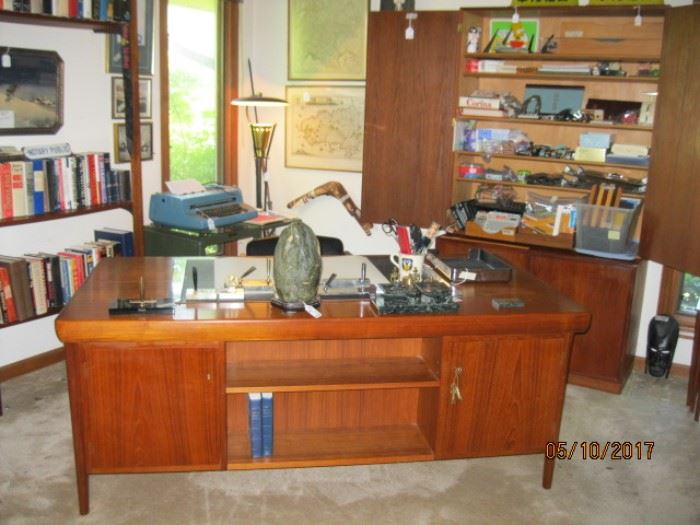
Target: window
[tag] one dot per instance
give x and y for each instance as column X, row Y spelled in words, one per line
column 197, row 39
column 680, row 296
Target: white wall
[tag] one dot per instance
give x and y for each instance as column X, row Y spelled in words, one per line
column 87, row 88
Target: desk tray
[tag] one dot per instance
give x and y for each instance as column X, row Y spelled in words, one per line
column 479, row 263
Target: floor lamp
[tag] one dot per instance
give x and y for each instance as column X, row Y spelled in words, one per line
column 262, row 133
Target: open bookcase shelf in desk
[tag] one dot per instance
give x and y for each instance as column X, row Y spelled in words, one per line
column 346, row 374
column 326, row 447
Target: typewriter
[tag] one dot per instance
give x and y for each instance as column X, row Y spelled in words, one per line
column 214, row 208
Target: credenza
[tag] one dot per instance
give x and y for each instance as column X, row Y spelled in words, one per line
column 169, row 392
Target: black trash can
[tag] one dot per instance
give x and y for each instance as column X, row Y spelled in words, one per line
column 661, row 345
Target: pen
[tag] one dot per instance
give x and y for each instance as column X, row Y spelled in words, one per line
column 194, row 278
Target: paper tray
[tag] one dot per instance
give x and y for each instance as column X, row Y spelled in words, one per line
column 477, row 265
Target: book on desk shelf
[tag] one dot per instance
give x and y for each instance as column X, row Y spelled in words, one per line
column 255, row 424
column 267, row 425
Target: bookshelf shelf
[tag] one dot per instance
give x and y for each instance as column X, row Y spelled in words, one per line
column 563, row 162
column 558, row 189
column 563, row 77
column 556, row 57
column 559, row 123
column 52, row 311
column 318, row 375
column 52, row 216
column 326, row 447
column 99, row 26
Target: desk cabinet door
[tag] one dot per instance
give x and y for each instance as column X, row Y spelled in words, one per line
column 512, row 390
column 152, row 407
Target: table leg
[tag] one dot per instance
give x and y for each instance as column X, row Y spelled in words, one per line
column 548, row 473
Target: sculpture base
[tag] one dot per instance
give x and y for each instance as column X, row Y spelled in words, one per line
column 294, row 307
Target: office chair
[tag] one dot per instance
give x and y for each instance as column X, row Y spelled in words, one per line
column 266, row 246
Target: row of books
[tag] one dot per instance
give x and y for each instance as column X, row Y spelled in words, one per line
column 105, row 10
column 33, row 187
column 260, row 418
column 36, row 283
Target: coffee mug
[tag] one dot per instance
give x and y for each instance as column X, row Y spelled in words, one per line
column 409, row 265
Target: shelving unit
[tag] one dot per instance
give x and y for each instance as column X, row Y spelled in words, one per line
column 589, row 35
column 134, row 206
column 335, row 402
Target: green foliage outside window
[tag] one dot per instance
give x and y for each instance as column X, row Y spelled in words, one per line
column 690, row 294
column 192, row 145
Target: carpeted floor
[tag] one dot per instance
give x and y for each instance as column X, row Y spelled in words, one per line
column 37, row 479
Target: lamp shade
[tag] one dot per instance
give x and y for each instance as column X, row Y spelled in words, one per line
column 259, row 101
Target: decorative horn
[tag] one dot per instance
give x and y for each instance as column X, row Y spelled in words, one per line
column 333, row 189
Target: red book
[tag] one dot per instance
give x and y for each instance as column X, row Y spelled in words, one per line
column 9, row 299
column 6, row 190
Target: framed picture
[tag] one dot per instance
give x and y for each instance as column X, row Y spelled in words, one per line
column 31, row 92
column 119, row 103
column 327, row 39
column 507, row 36
column 145, row 42
column 325, row 127
column 121, row 154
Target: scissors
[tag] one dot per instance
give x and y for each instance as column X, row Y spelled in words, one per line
column 390, row 227
column 400, row 233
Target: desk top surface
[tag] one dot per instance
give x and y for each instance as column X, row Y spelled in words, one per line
column 86, row 317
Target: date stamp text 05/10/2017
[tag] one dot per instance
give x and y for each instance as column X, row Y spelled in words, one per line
column 600, row 450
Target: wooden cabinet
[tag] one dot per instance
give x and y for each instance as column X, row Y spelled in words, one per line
column 170, row 391
column 336, row 402
column 154, row 407
column 500, row 396
column 610, row 290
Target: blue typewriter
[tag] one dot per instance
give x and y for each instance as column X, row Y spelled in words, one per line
column 214, row 208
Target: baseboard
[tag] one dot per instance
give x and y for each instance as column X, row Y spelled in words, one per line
column 32, row 363
column 677, row 370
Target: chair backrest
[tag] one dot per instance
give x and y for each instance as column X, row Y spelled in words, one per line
column 266, row 246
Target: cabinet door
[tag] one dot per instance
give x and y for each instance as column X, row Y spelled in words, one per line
column 602, row 357
column 512, row 390
column 411, row 96
column 671, row 204
column 152, row 407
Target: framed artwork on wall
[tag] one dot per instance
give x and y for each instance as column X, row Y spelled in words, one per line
column 325, row 127
column 121, row 153
column 119, row 103
column 327, row 39
column 145, row 41
column 31, row 92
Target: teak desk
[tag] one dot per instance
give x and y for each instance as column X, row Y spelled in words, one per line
column 169, row 392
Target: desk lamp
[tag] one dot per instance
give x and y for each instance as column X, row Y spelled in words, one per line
column 262, row 133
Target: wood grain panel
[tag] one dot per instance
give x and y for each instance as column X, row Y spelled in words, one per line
column 512, row 392
column 674, row 174
column 411, row 96
column 606, row 288
column 152, row 407
column 335, row 447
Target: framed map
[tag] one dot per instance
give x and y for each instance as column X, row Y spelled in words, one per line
column 327, row 39
column 325, row 127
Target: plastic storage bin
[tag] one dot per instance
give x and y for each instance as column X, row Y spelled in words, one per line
column 605, row 231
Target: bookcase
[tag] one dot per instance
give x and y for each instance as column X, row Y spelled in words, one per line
column 586, row 37
column 34, row 231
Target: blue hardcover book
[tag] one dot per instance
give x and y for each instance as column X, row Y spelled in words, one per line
column 124, row 237
column 39, row 185
column 255, row 424
column 267, row 426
